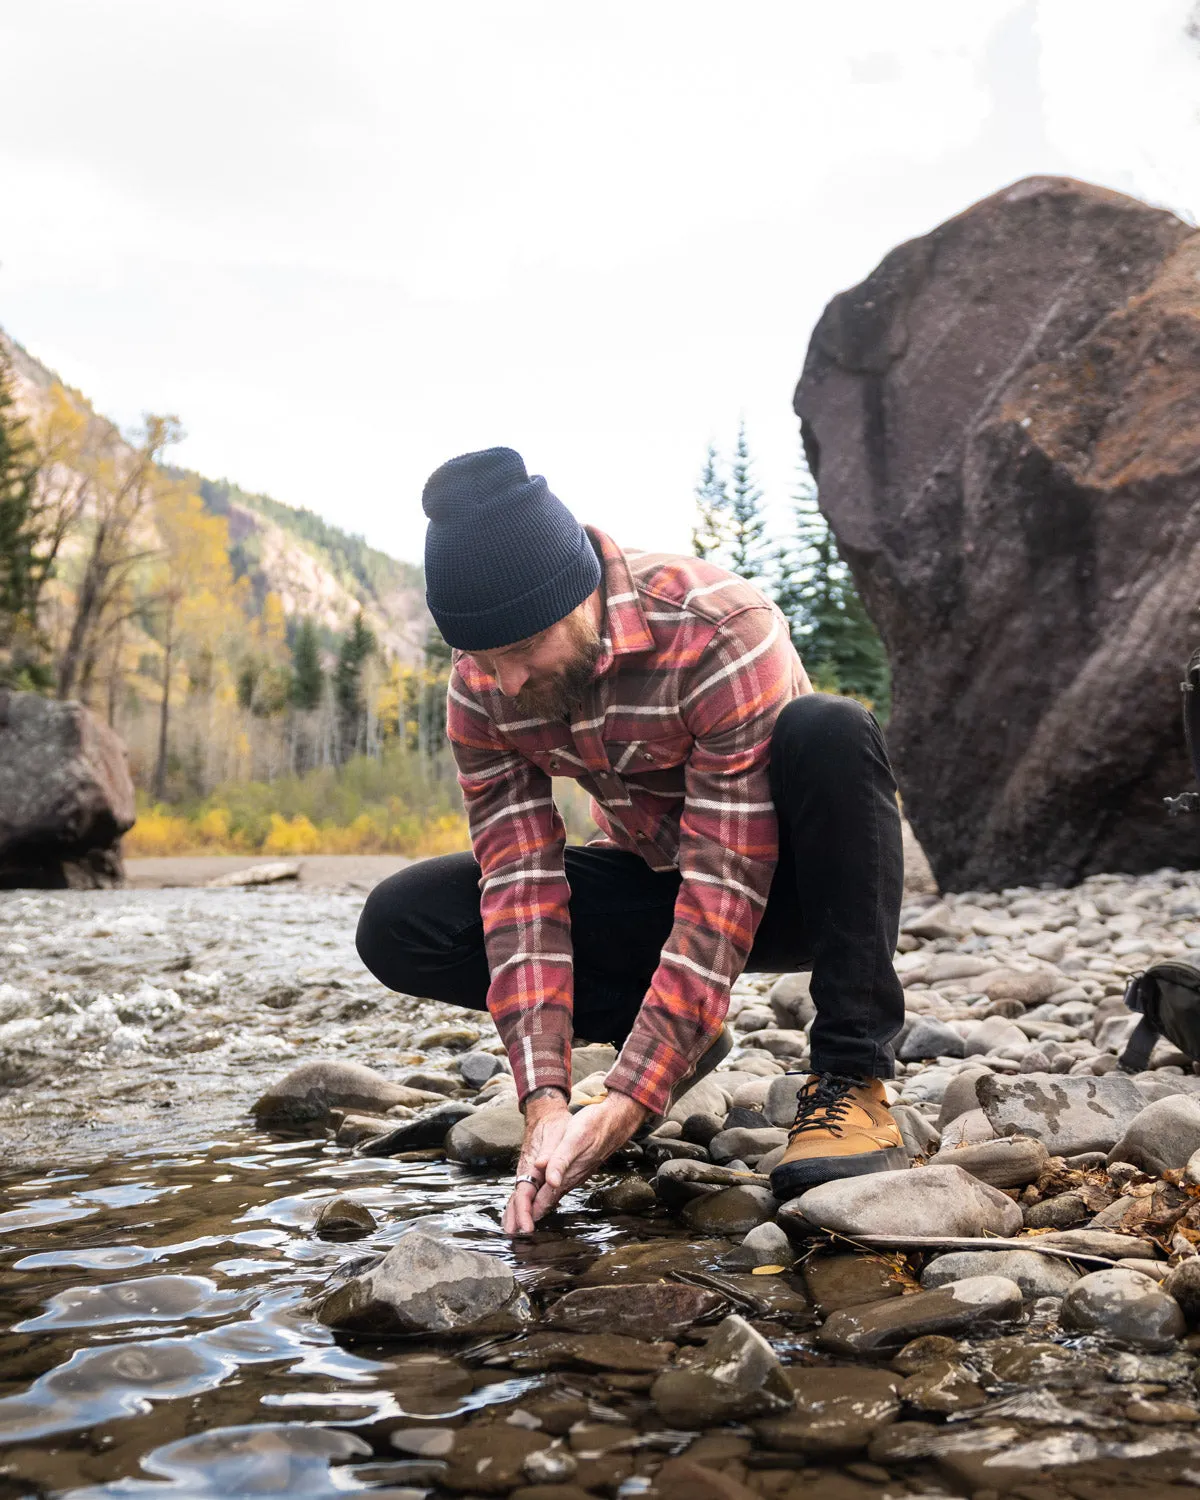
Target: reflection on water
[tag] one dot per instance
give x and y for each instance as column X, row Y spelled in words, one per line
column 154, row 1341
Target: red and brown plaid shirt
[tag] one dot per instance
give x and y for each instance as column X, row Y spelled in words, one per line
column 672, row 742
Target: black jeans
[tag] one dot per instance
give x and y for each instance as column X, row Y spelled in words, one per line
column 834, row 904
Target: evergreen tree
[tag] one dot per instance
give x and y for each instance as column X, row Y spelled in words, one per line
column 712, row 509
column 358, row 644
column 831, row 629
column 18, row 538
column 308, row 680
column 746, row 551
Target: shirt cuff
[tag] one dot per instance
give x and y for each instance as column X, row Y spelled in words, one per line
column 649, row 1082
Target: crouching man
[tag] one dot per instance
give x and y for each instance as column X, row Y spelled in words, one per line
column 746, row 823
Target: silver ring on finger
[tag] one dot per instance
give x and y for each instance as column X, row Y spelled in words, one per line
column 527, row 1177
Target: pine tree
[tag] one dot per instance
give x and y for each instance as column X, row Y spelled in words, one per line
column 357, row 645
column 831, row 629
column 711, row 525
column 746, row 551
column 308, row 680
column 18, row 536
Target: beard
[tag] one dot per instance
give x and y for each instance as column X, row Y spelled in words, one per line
column 554, row 697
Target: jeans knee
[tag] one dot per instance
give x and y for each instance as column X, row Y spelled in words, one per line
column 824, row 724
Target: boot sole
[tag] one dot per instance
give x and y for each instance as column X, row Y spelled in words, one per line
column 792, row 1178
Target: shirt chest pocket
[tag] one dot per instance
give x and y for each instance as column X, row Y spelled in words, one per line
column 637, row 758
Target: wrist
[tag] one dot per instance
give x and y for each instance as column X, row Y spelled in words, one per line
column 626, row 1107
column 549, row 1099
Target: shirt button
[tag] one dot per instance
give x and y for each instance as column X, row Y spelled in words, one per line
column 646, row 755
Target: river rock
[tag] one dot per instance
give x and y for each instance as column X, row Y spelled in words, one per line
column 1161, row 1136
column 705, row 1097
column 1183, row 1283
column 917, row 1130
column 424, row 1132
column 1125, row 1305
column 653, row 1310
column 957, row 1308
column 731, row 1211
column 424, row 1284
column 994, row 1034
column 308, row 1093
column 780, row 1106
column 745, row 1145
column 1026, row 986
column 987, row 489
column 66, row 796
column 591, row 1057
column 476, row 1068
column 837, row 1281
column 960, row 1097
column 837, row 1411
column 944, row 1386
column 786, row 1044
column 791, row 999
column 676, row 1183
column 934, row 1200
column 1010, row 1161
column 766, row 1245
column 1036, row 1275
column 928, row 1037
column 632, row 1195
column 736, row 1374
column 343, row 1219
column 1070, row 1114
column 490, row 1459
column 490, row 1137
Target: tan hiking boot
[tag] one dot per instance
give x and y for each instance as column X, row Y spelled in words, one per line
column 843, row 1128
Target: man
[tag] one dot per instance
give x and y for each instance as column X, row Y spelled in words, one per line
column 746, row 822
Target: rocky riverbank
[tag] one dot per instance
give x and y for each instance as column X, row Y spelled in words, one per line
column 1019, row 1314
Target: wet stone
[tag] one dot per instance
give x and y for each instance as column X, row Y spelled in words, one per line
column 489, row 1459
column 945, row 1386
column 451, row 1038
column 918, row 1354
column 308, row 1093
column 732, row 1211
column 838, row 1281
column 343, row 1219
column 651, row 1262
column 735, row 1375
column 765, row 1245
column 837, row 1411
column 676, row 1183
column 957, row 1308
column 423, row 1285
column 353, row 1128
column 425, row 1132
column 699, row 1130
column 589, row 1351
column 1124, row 1305
column 491, row 1137
column 632, row 1195
column 656, row 1310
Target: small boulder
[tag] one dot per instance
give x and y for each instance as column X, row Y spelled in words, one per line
column 591, row 1057
column 1036, row 1275
column 655, row 1310
column 745, row 1145
column 732, row 1211
column 422, row 1133
column 705, row 1097
column 920, row 1136
column 1161, row 1136
column 1010, row 1161
column 791, row 999
column 1183, row 1283
column 343, row 1219
column 960, row 1095
column 308, row 1093
column 476, row 1067
column 1070, row 1114
column 491, row 1137
column 788, row 1045
column 837, row 1411
column 928, row 1037
column 780, row 1106
column 958, row 1307
column 424, row 1284
column 934, row 1200
column 676, row 1183
column 735, row 1375
column 1125, row 1305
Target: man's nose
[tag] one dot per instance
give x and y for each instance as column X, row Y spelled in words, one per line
column 511, row 677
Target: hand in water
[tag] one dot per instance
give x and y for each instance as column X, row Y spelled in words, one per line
column 546, row 1121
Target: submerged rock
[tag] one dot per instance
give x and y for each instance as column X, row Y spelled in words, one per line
column 731, row 1211
column 837, row 1411
column 656, row 1310
column 423, row 1285
column 736, row 1374
column 491, row 1137
column 343, row 1219
column 425, row 1131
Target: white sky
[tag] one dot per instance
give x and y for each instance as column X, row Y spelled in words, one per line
column 346, row 242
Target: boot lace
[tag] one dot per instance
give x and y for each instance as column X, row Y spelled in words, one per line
column 822, row 1103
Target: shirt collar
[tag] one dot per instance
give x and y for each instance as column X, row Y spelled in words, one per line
column 625, row 627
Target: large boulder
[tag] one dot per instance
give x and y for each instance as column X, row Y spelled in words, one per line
column 65, row 796
column 1004, row 421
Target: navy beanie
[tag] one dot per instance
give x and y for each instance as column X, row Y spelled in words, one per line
column 504, row 558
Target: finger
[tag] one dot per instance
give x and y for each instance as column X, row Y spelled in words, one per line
column 546, row 1199
column 518, row 1216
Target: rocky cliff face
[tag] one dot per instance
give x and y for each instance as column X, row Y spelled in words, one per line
column 1004, row 420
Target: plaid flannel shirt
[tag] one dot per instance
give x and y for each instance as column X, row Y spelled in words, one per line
column 672, row 741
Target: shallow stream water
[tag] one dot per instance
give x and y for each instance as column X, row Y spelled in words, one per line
column 156, row 1250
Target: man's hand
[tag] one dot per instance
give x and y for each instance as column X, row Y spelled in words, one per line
column 546, row 1121
column 589, row 1139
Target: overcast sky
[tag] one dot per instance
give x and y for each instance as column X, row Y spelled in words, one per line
column 346, row 242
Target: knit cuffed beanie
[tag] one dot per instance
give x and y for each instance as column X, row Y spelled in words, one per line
column 504, row 558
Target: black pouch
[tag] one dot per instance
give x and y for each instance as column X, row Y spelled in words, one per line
column 1167, row 996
